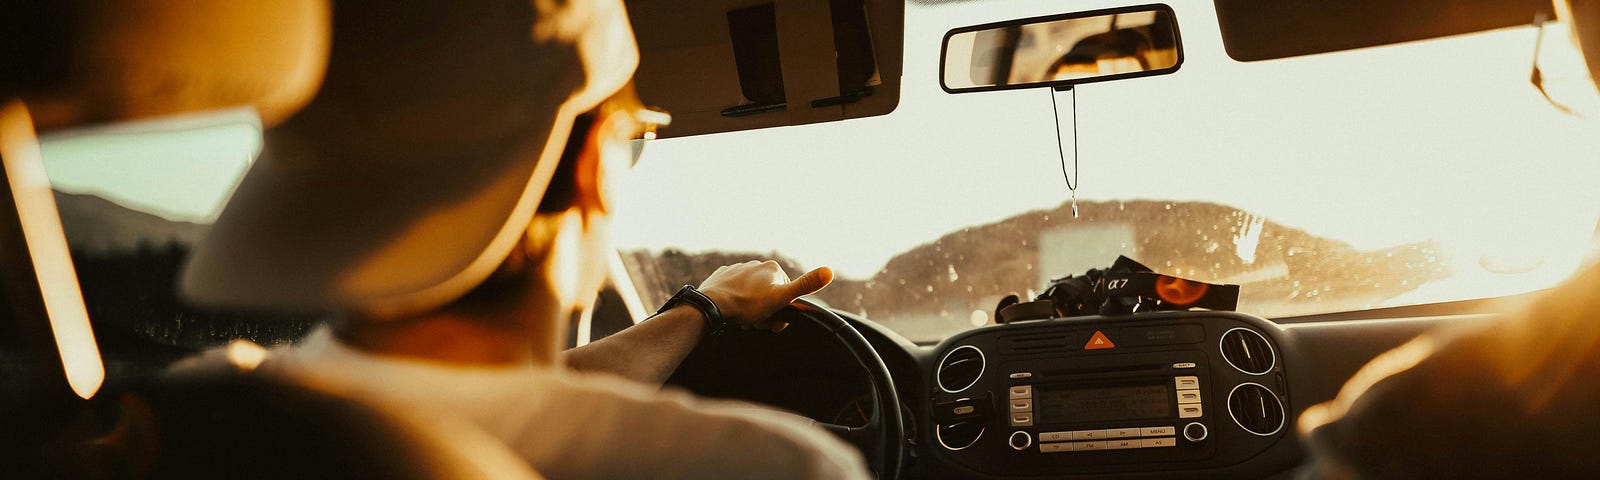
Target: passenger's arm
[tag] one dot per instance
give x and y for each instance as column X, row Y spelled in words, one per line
column 747, row 294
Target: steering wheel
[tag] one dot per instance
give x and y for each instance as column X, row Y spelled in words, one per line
column 883, row 437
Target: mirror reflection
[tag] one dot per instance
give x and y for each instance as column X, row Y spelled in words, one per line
column 1038, row 52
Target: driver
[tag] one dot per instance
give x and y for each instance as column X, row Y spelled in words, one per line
column 447, row 191
column 1519, row 398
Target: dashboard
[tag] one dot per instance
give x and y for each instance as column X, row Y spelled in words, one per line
column 1155, row 395
column 1158, row 392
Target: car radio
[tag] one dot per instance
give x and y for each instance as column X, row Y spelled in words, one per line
column 1096, row 395
column 1051, row 411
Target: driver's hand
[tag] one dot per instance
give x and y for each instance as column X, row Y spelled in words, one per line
column 749, row 293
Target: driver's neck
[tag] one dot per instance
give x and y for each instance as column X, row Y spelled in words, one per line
column 529, row 331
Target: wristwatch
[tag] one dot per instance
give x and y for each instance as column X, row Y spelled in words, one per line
column 688, row 295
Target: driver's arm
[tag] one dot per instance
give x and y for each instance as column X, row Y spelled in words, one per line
column 747, row 294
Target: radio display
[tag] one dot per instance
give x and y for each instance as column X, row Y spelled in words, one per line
column 1059, row 404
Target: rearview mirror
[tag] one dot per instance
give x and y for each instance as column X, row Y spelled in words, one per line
column 1060, row 50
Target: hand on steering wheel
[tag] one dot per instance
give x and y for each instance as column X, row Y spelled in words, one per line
column 749, row 293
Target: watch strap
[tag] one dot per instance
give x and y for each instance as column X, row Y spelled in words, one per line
column 688, row 295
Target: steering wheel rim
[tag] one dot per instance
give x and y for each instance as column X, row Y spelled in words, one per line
column 885, row 428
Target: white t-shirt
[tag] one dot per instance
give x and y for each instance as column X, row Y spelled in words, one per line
column 575, row 425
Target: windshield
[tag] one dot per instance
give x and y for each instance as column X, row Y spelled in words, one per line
column 1416, row 173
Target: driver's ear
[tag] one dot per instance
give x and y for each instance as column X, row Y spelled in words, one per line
column 592, row 175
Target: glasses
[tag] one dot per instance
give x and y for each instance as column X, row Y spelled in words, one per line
column 621, row 117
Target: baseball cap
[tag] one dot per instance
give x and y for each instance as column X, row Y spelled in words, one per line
column 411, row 175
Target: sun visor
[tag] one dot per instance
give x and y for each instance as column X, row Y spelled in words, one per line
column 732, row 65
column 1254, row 30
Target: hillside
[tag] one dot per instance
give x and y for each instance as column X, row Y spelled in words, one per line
column 935, row 287
column 127, row 260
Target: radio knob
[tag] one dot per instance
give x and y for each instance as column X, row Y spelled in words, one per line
column 1021, row 440
column 1195, row 432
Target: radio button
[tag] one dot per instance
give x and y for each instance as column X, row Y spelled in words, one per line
column 1191, row 410
column 1158, row 442
column 1088, row 446
column 1055, row 436
column 1021, row 419
column 1122, row 432
column 1054, row 447
column 1123, row 444
column 1188, row 396
column 1021, row 391
column 1021, row 404
column 1187, row 383
column 1020, row 440
column 1089, row 435
column 1156, row 431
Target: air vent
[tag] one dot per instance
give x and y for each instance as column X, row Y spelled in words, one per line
column 1248, row 351
column 959, row 435
column 1053, row 341
column 960, row 369
column 1255, row 409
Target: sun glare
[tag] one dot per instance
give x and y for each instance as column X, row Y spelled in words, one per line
column 47, row 246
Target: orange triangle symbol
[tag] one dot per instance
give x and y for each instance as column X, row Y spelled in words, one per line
column 1098, row 341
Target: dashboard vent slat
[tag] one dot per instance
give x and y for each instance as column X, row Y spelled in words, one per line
column 1042, row 342
column 958, row 436
column 1248, row 351
column 960, row 369
column 1256, row 409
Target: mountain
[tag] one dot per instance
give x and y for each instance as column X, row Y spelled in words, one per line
column 935, row 288
column 128, row 259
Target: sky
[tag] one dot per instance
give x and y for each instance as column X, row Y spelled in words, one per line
column 1442, row 140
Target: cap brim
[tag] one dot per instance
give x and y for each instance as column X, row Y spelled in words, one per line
column 306, row 230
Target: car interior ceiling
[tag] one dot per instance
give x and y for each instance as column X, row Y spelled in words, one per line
column 721, row 66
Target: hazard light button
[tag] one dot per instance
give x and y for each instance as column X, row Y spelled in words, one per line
column 1098, row 342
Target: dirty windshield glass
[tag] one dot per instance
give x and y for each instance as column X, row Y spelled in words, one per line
column 1408, row 174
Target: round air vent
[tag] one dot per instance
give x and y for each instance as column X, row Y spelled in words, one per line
column 959, row 435
column 1248, row 351
column 1255, row 409
column 960, row 369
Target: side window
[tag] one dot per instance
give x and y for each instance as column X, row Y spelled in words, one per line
column 133, row 200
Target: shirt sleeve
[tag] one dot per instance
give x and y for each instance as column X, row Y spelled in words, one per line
column 611, row 428
column 1514, row 397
